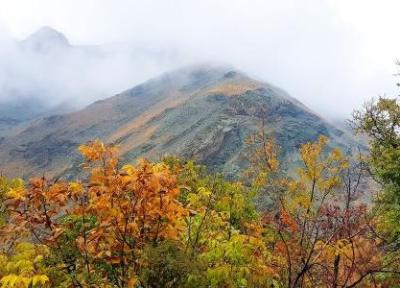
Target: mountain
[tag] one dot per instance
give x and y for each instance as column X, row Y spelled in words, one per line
column 23, row 94
column 46, row 39
column 202, row 113
column 41, row 73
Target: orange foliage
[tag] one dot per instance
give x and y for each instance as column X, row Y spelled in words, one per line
column 130, row 206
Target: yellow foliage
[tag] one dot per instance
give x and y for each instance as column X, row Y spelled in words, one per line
column 24, row 268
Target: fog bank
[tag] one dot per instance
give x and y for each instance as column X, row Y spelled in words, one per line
column 331, row 55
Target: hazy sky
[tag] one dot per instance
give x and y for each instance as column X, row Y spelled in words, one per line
column 332, row 55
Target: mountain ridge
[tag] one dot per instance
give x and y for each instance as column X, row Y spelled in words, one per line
column 201, row 112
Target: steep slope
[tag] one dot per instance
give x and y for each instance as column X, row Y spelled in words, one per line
column 203, row 113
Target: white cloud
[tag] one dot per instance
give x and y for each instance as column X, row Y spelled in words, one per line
column 332, row 55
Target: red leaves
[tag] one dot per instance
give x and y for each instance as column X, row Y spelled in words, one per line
column 287, row 222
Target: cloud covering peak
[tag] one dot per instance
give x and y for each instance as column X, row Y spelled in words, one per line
column 332, row 54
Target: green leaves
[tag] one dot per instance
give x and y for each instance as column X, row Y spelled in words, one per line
column 380, row 120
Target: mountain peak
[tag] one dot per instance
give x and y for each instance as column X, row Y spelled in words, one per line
column 200, row 74
column 208, row 68
column 46, row 38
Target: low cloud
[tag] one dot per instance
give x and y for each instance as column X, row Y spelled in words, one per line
column 52, row 73
column 331, row 55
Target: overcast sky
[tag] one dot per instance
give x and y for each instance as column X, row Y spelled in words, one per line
column 332, row 55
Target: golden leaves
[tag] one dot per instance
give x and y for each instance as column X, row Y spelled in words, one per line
column 17, row 193
column 93, row 151
column 263, row 158
column 319, row 165
column 113, row 214
column 132, row 205
column 25, row 267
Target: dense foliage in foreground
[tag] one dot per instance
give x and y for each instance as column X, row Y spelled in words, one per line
column 171, row 224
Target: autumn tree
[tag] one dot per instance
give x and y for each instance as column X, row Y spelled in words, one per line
column 174, row 224
column 98, row 229
column 379, row 120
column 264, row 170
column 166, row 224
column 319, row 239
column 223, row 238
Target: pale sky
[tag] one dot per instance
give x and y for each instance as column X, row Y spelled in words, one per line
column 332, row 55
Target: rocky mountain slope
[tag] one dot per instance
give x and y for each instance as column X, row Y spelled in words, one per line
column 203, row 113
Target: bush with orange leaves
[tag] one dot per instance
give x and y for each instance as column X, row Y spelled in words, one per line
column 97, row 229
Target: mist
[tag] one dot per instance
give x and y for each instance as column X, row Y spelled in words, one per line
column 45, row 68
column 331, row 55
